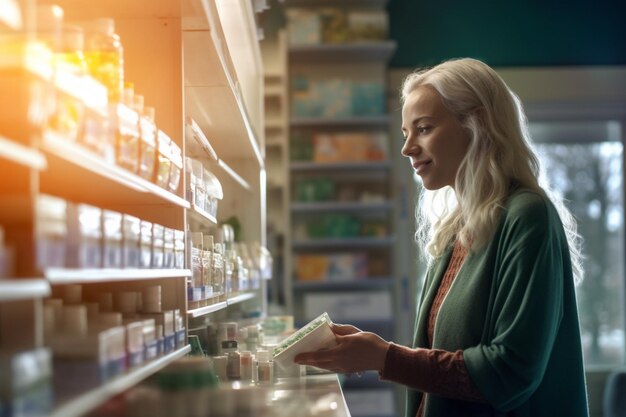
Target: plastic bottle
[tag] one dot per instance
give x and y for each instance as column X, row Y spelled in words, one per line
column 105, row 55
column 233, row 368
column 246, row 365
column 264, row 367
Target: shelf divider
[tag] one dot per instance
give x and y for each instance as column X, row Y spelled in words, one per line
column 23, row 289
column 86, row 276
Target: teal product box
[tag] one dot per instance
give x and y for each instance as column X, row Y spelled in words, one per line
column 368, row 99
column 303, row 26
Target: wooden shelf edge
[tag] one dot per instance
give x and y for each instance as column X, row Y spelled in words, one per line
column 22, row 154
column 203, row 214
column 23, row 289
column 83, row 158
column 201, row 311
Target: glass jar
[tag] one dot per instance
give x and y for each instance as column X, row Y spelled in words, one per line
column 126, row 125
column 104, row 56
column 147, row 144
column 176, row 167
column 163, row 160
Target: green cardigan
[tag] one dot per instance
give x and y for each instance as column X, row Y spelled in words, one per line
column 512, row 310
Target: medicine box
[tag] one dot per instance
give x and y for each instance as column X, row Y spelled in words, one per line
column 336, row 267
column 316, row 335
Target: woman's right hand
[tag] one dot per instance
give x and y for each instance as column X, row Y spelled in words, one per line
column 344, row 329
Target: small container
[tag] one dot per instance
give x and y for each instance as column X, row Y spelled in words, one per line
column 168, row 248
column 220, row 364
column 199, row 191
column 227, row 331
column 217, row 272
column 179, row 249
column 207, row 279
column 84, row 236
column 149, row 339
column 125, row 302
column 246, row 365
column 195, row 290
column 179, row 329
column 74, row 320
column 134, row 344
column 158, row 236
column 214, row 192
column 72, row 294
column 233, row 368
column 105, row 301
column 131, row 238
column 70, row 66
column 125, row 122
column 264, row 367
column 112, row 239
column 152, row 299
column 145, row 249
column 147, row 145
column 163, row 160
column 104, row 55
column 316, row 335
column 176, row 167
column 51, row 232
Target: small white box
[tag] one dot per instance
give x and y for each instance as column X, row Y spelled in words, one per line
column 316, row 335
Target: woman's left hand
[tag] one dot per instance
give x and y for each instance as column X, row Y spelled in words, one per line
column 356, row 351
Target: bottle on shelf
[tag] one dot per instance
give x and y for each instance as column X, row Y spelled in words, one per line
column 104, row 55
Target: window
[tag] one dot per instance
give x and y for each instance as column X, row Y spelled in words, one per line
column 584, row 162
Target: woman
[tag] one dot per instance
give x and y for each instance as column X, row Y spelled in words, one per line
column 497, row 331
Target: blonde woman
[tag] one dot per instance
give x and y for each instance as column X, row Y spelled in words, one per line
column 497, row 332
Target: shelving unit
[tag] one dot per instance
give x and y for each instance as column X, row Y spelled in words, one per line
column 198, row 63
column 274, row 53
column 342, row 201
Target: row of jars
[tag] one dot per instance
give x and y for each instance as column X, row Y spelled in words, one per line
column 68, row 81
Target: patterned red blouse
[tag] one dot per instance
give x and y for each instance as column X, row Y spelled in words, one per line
column 442, row 373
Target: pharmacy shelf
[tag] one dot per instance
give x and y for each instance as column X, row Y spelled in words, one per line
column 380, row 51
column 86, row 276
column 211, row 94
column 23, row 289
column 240, row 298
column 381, row 122
column 77, row 404
column 199, row 215
column 21, row 154
column 358, row 242
column 199, row 146
column 369, row 283
column 202, row 311
column 81, row 176
column 333, row 206
column 342, row 166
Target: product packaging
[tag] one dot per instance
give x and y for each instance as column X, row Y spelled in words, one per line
column 316, row 335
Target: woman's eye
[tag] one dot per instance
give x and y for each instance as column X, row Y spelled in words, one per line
column 422, row 130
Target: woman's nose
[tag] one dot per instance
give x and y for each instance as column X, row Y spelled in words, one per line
column 408, row 148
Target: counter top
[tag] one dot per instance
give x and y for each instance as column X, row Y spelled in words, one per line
column 314, row 395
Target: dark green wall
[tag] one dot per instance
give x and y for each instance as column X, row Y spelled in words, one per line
column 509, row 32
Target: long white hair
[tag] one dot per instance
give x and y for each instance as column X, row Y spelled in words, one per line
column 499, row 156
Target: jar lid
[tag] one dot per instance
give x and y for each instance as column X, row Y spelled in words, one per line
column 229, row 344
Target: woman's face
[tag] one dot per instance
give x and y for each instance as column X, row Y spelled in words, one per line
column 435, row 141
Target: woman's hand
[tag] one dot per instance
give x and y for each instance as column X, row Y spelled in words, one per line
column 356, row 351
